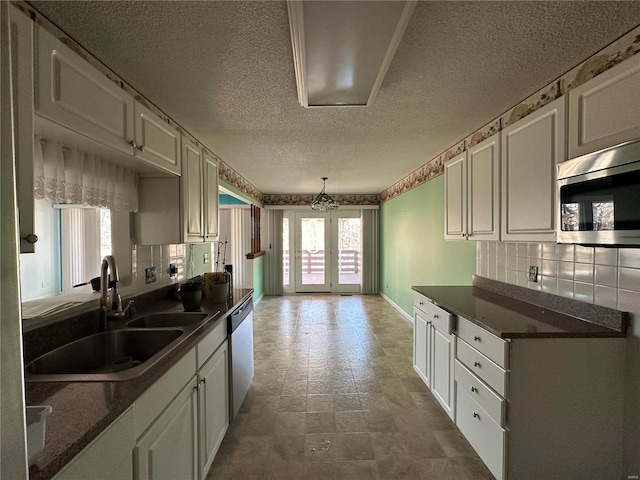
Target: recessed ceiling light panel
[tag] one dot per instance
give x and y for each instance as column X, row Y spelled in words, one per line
column 342, row 49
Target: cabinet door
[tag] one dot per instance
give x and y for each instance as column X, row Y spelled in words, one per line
column 74, row 94
column 605, row 111
column 443, row 357
column 168, row 450
column 108, row 457
column 22, row 83
column 210, row 200
column 483, row 217
column 531, row 148
column 157, row 142
column 421, row 346
column 455, row 198
column 213, row 406
column 192, row 192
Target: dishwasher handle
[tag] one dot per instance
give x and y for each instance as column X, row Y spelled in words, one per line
column 239, row 314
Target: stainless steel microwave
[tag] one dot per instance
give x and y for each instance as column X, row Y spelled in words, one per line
column 599, row 197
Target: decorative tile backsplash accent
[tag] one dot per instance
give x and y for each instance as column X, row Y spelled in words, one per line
column 614, row 53
column 609, row 277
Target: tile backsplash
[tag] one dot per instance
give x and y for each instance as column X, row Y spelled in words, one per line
column 604, row 276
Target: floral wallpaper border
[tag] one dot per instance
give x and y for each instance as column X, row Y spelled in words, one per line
column 306, row 199
column 610, row 56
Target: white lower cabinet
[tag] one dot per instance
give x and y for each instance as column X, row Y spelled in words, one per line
column 421, row 346
column 483, row 433
column 434, row 351
column 179, row 434
column 213, row 406
column 537, row 408
column 169, row 449
column 106, row 457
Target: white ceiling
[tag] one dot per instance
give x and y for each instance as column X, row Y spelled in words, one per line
column 224, row 71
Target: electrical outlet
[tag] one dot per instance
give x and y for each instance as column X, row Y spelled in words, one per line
column 205, row 258
column 173, row 270
column 150, row 275
column 533, row 273
column 386, row 285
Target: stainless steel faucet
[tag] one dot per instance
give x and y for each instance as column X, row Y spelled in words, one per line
column 110, row 301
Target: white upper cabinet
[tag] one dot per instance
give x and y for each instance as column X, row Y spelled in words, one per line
column 472, row 200
column 210, row 198
column 605, row 111
column 156, row 142
column 455, row 198
column 74, row 94
column 483, row 190
column 192, row 190
column 530, row 150
column 22, row 85
column 180, row 210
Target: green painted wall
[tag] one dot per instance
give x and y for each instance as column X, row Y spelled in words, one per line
column 258, row 281
column 412, row 246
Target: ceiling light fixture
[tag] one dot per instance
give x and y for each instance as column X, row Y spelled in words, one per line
column 324, row 201
column 342, row 49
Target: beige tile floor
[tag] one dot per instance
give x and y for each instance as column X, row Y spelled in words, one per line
column 335, row 396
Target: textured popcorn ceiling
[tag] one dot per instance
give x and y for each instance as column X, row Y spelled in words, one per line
column 224, row 71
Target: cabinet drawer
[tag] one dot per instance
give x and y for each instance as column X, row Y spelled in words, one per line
column 484, row 435
column 467, row 382
column 438, row 316
column 211, row 342
column 486, row 343
column 483, row 367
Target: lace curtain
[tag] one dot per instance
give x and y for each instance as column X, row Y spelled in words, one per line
column 72, row 176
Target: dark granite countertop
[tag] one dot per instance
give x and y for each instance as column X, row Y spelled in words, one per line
column 509, row 317
column 82, row 410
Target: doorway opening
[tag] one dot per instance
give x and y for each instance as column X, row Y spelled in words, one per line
column 322, row 252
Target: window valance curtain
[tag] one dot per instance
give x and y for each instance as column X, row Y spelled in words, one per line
column 72, row 176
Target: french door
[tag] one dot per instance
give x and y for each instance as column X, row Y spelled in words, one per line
column 327, row 252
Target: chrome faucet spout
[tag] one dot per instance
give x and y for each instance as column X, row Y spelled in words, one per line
column 110, row 302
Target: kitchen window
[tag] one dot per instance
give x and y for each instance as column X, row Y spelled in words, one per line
column 85, row 240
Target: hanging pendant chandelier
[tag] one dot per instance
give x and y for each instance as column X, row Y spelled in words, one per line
column 324, row 201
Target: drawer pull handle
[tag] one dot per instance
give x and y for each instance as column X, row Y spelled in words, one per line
column 474, row 389
column 476, row 364
column 435, row 316
column 476, row 338
column 475, row 415
column 421, row 303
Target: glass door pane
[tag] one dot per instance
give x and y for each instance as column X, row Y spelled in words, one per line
column 312, row 240
column 286, row 257
column 349, row 251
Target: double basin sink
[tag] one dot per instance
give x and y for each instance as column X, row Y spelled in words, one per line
column 117, row 355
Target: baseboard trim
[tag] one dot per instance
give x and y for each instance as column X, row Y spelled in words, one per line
column 404, row 314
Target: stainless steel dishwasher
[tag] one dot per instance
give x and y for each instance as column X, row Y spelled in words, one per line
column 240, row 331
